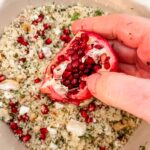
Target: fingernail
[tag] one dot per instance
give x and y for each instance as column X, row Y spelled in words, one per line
column 92, row 81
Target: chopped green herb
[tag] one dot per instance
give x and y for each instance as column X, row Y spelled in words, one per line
column 98, row 12
column 75, row 16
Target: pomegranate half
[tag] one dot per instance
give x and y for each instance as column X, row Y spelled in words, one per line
column 65, row 76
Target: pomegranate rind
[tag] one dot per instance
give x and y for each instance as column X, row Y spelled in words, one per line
column 83, row 95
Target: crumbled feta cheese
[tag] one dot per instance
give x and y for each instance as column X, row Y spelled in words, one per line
column 23, row 110
column 57, row 31
column 52, row 131
column 34, row 17
column 1, row 104
column 77, row 128
column 8, row 95
column 53, row 146
column 47, row 52
column 58, row 105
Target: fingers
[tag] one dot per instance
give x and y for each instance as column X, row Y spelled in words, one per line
column 125, row 54
column 122, row 91
column 128, row 29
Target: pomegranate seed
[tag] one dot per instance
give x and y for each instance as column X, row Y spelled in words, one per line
column 67, row 82
column 75, row 64
column 23, row 60
column 48, row 41
column 44, row 130
column 98, row 46
column 66, row 74
column 61, row 58
column 27, row 51
column 102, row 148
column 107, row 65
column 75, row 57
column 22, row 41
column 82, row 84
column 36, row 36
column 83, row 113
column 2, row 77
column 81, row 67
column 11, row 103
column 69, row 67
column 40, row 33
column 96, row 68
column 66, row 31
column 13, row 126
column 76, row 76
column 46, row 26
column 37, row 96
column 42, row 136
column 89, row 119
column 44, row 109
column 19, row 132
column 65, row 38
column 35, row 22
column 74, row 81
column 75, row 70
column 70, row 86
column 37, row 80
column 90, row 61
column 84, row 37
column 91, row 107
column 40, row 18
column 70, row 77
column 26, row 138
column 14, row 109
column 70, row 51
column 24, row 118
column 41, row 55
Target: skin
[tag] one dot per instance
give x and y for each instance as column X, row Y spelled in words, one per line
column 128, row 89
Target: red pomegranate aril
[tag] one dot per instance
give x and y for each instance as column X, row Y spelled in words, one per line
column 75, row 63
column 84, row 37
column 69, row 67
column 66, row 74
column 70, row 86
column 12, row 104
column 74, row 81
column 23, row 60
column 67, row 82
column 14, row 109
column 76, row 76
column 36, row 36
column 35, row 22
column 2, row 77
column 89, row 66
column 81, row 67
column 23, row 118
column 75, row 70
column 37, row 80
column 75, row 57
column 107, row 65
column 98, row 46
column 70, row 78
column 42, row 136
column 88, row 119
column 26, row 138
column 13, row 126
column 102, row 148
column 66, row 31
column 89, row 61
column 22, row 41
column 96, row 68
column 61, row 58
column 65, row 38
column 19, row 132
column 44, row 130
column 41, row 55
column 40, row 32
column 48, row 41
column 91, row 107
column 70, row 51
column 46, row 26
column 44, row 109
column 82, row 84
column 81, row 53
column 40, row 18
column 84, row 113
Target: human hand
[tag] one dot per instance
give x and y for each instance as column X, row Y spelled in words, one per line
column 129, row 89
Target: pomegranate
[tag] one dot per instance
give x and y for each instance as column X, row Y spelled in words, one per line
column 41, row 55
column 43, row 133
column 2, row 77
column 44, row 109
column 13, row 125
column 37, row 80
column 65, row 76
column 26, row 138
column 22, row 41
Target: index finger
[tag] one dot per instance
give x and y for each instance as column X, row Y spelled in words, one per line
column 128, row 29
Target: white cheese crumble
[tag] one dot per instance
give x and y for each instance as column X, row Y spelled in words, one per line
column 8, row 95
column 52, row 131
column 23, row 110
column 58, row 105
column 77, row 128
column 1, row 104
column 53, row 146
column 57, row 31
column 47, row 52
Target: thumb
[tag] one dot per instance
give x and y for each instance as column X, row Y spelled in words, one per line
column 125, row 92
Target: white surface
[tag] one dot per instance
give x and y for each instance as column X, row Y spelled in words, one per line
column 144, row 2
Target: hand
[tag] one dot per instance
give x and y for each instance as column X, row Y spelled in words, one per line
column 129, row 89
